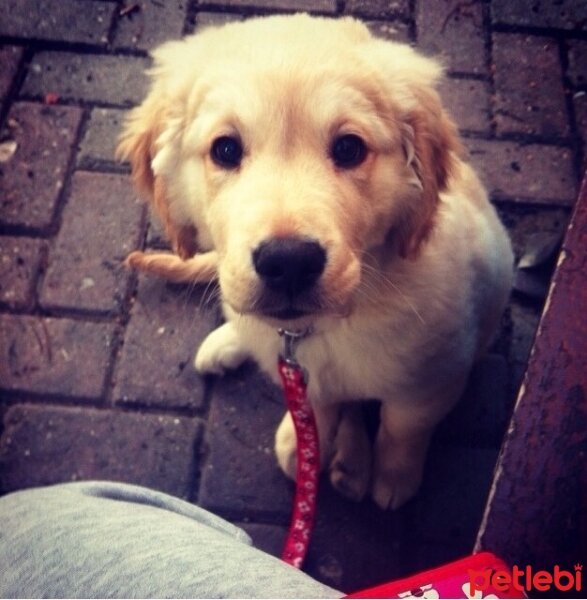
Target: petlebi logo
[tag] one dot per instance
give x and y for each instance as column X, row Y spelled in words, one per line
column 526, row 580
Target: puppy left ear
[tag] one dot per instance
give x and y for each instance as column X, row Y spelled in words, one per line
column 432, row 146
column 137, row 144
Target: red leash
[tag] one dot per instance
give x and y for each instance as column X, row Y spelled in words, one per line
column 294, row 379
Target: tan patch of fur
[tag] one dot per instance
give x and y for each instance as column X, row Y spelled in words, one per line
column 201, row 268
column 137, row 144
column 436, row 147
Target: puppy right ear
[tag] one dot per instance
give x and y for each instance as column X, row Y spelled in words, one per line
column 137, row 144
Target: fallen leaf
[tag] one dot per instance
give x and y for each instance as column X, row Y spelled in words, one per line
column 129, row 9
column 87, row 282
column 51, row 98
column 7, row 150
column 540, row 248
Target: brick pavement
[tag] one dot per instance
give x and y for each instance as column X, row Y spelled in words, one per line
column 95, row 364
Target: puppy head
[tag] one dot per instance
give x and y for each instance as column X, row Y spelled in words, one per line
column 294, row 146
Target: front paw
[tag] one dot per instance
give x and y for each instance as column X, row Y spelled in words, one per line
column 350, row 476
column 286, row 447
column 394, row 487
column 350, row 469
column 220, row 351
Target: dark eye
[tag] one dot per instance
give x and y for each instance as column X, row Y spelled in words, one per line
column 227, row 152
column 348, row 151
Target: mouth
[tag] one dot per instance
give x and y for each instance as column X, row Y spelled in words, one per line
column 282, row 314
column 282, row 308
column 286, row 314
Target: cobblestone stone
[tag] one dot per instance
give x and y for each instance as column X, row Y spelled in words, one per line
column 71, row 21
column 525, row 323
column 150, row 24
column 528, row 79
column 167, row 325
column 208, row 19
column 47, row 445
column 577, row 71
column 453, row 31
column 19, row 264
column 529, row 173
column 117, row 80
column 269, row 538
column 31, row 181
column 580, row 102
column 563, row 14
column 396, row 31
column 481, row 416
column 241, row 476
column 100, row 139
column 455, row 477
column 156, row 237
column 101, row 225
column 54, row 356
column 378, row 9
column 439, row 512
column 338, row 554
column 327, row 6
column 467, row 101
column 10, row 57
column 523, row 222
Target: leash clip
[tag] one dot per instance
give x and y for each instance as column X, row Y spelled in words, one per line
column 291, row 339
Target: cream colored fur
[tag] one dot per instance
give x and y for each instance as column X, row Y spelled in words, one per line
column 418, row 265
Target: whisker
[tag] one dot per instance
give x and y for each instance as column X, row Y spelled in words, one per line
column 377, row 277
column 210, row 295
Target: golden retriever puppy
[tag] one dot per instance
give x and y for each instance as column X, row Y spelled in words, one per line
column 313, row 170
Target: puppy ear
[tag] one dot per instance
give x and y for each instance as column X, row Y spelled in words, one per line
column 430, row 138
column 432, row 147
column 138, row 144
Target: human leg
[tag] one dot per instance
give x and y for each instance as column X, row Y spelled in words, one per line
column 98, row 539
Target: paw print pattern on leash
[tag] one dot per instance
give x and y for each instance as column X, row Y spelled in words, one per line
column 308, row 463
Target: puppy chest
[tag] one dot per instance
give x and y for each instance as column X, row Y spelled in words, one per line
column 349, row 371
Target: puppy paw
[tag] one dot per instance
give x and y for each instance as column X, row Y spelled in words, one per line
column 350, row 478
column 285, row 447
column 350, row 468
column 220, row 351
column 394, row 489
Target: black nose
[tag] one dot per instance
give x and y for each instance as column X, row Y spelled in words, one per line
column 289, row 265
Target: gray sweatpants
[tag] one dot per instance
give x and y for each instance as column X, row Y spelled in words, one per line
column 98, row 539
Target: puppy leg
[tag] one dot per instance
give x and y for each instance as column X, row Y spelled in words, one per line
column 402, row 441
column 350, row 469
column 400, row 451
column 221, row 350
column 285, row 438
column 285, row 446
